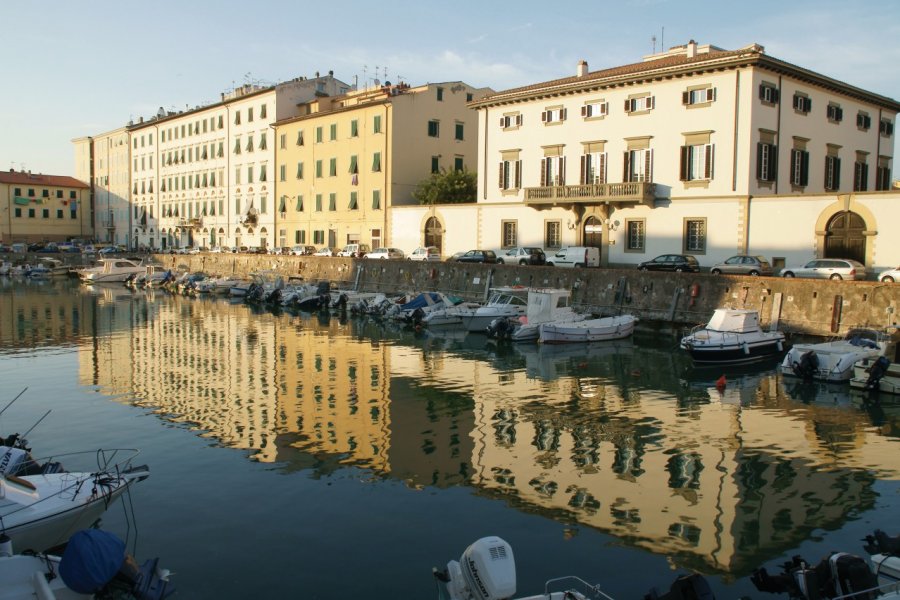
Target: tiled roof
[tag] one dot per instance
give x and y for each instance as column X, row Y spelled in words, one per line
column 21, row 178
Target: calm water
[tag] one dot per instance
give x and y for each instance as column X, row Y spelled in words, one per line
column 294, row 455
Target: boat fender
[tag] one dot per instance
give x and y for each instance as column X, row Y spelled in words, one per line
column 876, row 372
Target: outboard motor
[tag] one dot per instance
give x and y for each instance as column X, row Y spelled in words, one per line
column 686, row 587
column 881, row 543
column 486, row 571
column 417, row 316
column 807, row 365
column 876, row 372
column 500, row 328
column 840, row 574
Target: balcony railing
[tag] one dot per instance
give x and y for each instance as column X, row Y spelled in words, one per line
column 642, row 192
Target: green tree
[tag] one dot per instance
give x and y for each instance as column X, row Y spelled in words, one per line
column 447, row 187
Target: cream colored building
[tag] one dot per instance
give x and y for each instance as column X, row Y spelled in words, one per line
column 37, row 207
column 672, row 155
column 349, row 159
column 103, row 160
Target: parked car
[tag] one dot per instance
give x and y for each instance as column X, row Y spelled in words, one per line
column 671, row 262
column 522, row 256
column 215, row 250
column 303, row 250
column 354, row 250
column 386, row 253
column 575, row 256
column 890, row 275
column 324, row 251
column 5, row 248
column 426, row 253
column 743, row 264
column 257, row 250
column 477, row 256
column 108, row 250
column 828, row 268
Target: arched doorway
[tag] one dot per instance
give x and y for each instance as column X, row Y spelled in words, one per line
column 434, row 233
column 593, row 232
column 844, row 237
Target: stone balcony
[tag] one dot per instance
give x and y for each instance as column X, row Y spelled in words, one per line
column 595, row 193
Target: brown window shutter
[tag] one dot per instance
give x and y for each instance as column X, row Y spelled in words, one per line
column 685, row 97
column 711, row 94
column 628, row 106
column 651, row 102
column 518, row 119
column 605, row 108
column 626, row 173
column 518, row 174
column 543, row 172
column 648, row 167
column 836, row 183
column 563, row 114
column 502, row 121
column 501, row 174
column 602, row 168
column 543, row 116
column 562, row 170
column 683, row 167
column 583, row 179
column 710, row 155
column 584, row 111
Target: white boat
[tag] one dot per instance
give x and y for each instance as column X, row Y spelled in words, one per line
column 588, row 330
column 487, row 571
column 111, row 270
column 93, row 565
column 880, row 374
column 450, row 315
column 40, row 511
column 833, row 361
column 503, row 302
column 56, row 267
column 732, row 336
column 551, row 305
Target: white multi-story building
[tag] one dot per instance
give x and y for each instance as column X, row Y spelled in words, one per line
column 674, row 154
column 103, row 162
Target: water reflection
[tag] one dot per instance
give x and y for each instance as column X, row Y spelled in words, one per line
column 622, row 438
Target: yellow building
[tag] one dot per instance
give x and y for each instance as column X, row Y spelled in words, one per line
column 36, row 208
column 348, row 159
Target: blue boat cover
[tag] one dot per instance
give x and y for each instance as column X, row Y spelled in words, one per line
column 91, row 559
column 421, row 301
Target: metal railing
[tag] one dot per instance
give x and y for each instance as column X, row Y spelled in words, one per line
column 616, row 192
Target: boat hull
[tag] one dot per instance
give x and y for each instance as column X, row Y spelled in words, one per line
column 589, row 330
column 834, row 361
column 888, row 384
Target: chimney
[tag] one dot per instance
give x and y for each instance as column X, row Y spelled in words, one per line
column 582, row 68
column 691, row 49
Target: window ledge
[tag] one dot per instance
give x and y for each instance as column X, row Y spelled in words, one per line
column 696, row 183
column 698, row 105
column 597, row 118
column 638, row 112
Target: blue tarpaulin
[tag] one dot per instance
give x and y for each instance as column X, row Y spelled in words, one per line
column 91, row 559
column 421, row 301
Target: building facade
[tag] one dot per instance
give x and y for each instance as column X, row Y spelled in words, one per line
column 345, row 162
column 669, row 155
column 43, row 208
column 103, row 161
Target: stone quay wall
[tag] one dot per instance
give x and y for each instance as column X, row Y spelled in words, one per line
column 663, row 301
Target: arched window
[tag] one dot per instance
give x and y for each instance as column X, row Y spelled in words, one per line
column 434, row 233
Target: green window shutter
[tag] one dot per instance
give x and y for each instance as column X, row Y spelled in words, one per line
column 299, row 203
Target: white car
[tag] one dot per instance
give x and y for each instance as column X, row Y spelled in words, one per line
column 890, row 275
column 215, row 250
column 828, row 268
column 386, row 253
column 324, row 251
column 425, row 253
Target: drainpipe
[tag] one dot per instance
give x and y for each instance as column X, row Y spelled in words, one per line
column 778, row 133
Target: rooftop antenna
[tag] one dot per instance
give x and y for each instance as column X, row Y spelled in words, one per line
column 653, row 39
column 662, row 40
column 365, row 77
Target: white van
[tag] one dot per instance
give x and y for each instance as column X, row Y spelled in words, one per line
column 355, row 250
column 575, row 256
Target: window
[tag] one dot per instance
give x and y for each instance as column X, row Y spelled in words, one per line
column 635, row 235
column 332, row 167
column 834, row 113
column 883, row 174
column 458, row 163
column 250, row 174
column 886, row 128
column 17, row 192
column 299, row 206
column 469, row 97
column 638, row 165
column 354, row 166
column 510, row 174
column 31, row 192
column 262, row 141
column 299, row 170
column 282, row 173
column 553, row 234
column 262, row 205
column 318, row 202
column 440, row 94
column 262, row 111
column 59, row 213
column 557, row 114
column 354, row 128
column 433, row 129
column 799, row 167
column 511, row 121
column 435, row 164
column 237, row 117
column 318, row 169
column 300, row 138
column 802, row 103
column 860, row 175
column 553, row 171
column 237, row 148
column 332, row 201
column 698, row 96
column 832, row 173
column 45, row 213
column 376, row 162
column 459, row 132
column 249, row 143
column 221, row 121
column 332, row 132
column 593, row 168
column 640, row 104
column 376, row 199
column 318, row 237
column 30, row 213
column 695, row 236
column 376, row 124
column 250, row 115
column 354, row 202
column 766, row 161
column 697, row 162
column 45, row 193
column 18, row 212
column 863, row 121
column 300, row 236
column 508, row 234
column 319, row 135
column 594, row 110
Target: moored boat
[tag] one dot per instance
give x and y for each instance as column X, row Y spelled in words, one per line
column 503, row 302
column 833, row 361
column 588, row 330
column 732, row 336
column 111, row 270
column 550, row 305
column 881, row 374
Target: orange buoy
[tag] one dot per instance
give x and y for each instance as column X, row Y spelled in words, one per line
column 720, row 383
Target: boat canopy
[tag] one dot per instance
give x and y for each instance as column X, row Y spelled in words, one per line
column 734, row 320
column 91, row 559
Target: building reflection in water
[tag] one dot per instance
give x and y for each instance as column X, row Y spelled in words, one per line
column 607, row 437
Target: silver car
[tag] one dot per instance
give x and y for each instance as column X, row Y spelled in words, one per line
column 743, row 264
column 828, row 268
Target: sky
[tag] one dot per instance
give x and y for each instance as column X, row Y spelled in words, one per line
column 72, row 68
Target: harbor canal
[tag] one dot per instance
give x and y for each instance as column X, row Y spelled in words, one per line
column 318, row 456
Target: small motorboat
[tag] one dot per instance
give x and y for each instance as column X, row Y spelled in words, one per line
column 880, row 374
column 112, row 270
column 487, row 571
column 39, row 511
column 833, row 361
column 840, row 575
column 732, row 336
column 544, row 306
column 503, row 302
column 588, row 330
column 93, row 565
